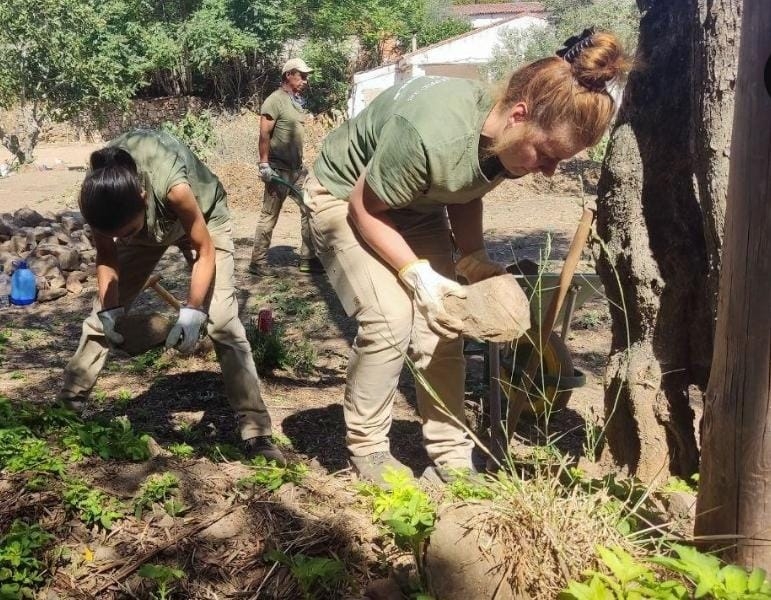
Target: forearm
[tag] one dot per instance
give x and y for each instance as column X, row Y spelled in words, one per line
column 202, row 276
column 381, row 235
column 466, row 223
column 107, row 285
column 264, row 147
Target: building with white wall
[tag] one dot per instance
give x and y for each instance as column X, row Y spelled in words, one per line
column 460, row 56
column 482, row 15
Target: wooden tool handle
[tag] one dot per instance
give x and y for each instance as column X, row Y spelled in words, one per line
column 166, row 295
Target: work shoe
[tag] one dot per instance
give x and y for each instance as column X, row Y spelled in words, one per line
column 76, row 404
column 311, row 265
column 373, row 466
column 259, row 268
column 263, row 445
column 439, row 475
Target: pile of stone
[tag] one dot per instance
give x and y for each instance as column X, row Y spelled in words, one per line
column 58, row 249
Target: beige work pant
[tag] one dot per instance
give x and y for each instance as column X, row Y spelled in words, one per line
column 390, row 328
column 136, row 262
column 272, row 202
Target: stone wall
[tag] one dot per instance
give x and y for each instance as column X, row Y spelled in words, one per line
column 142, row 113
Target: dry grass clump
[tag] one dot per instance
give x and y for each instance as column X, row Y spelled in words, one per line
column 550, row 532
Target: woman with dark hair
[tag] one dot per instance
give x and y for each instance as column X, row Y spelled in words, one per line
column 389, row 189
column 145, row 192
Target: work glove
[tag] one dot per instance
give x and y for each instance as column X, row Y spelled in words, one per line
column 109, row 318
column 187, row 330
column 478, row 266
column 267, row 172
column 429, row 289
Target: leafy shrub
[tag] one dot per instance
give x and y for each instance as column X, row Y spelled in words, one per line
column 21, row 571
column 317, row 576
column 270, row 476
column 157, row 488
column 92, row 506
column 195, row 131
column 114, row 440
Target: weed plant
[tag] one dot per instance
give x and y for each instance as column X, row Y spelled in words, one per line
column 160, row 489
column 92, row 506
column 181, row 450
column 268, row 475
column 113, row 440
column 319, row 577
column 21, row 569
column 163, row 577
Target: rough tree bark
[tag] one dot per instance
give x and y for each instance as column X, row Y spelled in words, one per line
column 655, row 270
column 735, row 486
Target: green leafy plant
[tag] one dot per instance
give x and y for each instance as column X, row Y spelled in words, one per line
column 266, row 474
column 465, row 489
column 154, row 359
column 164, row 578
column 405, row 512
column 317, row 576
column 195, row 130
column 21, row 450
column 630, row 578
column 157, row 488
column 181, row 450
column 21, row 571
column 92, row 506
column 124, row 398
column 113, row 440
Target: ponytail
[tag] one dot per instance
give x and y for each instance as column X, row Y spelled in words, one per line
column 111, row 194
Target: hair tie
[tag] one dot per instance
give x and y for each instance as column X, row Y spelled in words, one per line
column 573, row 46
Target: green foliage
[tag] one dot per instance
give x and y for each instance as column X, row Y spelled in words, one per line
column 405, row 512
column 629, row 578
column 266, row 474
column 21, row 451
column 317, row 576
column 195, row 131
column 113, row 440
column 154, row 359
column 569, row 17
column 156, row 488
column 164, row 578
column 181, row 450
column 463, row 488
column 21, row 571
column 92, row 506
column 331, row 75
column 597, row 152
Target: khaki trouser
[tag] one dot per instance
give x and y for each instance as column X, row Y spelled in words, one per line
column 272, row 202
column 390, row 327
column 136, row 261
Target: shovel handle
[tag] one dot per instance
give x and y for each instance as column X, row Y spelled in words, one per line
column 154, row 283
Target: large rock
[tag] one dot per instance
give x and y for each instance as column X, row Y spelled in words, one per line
column 26, row 217
column 44, row 266
column 495, row 310
column 69, row 258
column 71, row 220
column 463, row 560
column 51, row 294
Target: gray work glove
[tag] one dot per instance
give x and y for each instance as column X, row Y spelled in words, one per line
column 109, row 318
column 187, row 330
column 429, row 289
column 267, row 172
column 477, row 266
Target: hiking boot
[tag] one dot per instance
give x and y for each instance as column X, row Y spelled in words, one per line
column 259, row 268
column 76, row 404
column 263, row 445
column 373, row 466
column 311, row 265
column 439, row 476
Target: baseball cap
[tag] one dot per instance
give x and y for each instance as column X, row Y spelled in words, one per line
column 296, row 64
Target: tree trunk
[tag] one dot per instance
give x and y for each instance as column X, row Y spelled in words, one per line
column 655, row 264
column 735, row 487
column 716, row 52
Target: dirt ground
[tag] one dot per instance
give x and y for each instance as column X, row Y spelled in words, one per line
column 170, row 395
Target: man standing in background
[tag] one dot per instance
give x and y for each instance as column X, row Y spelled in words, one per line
column 282, row 125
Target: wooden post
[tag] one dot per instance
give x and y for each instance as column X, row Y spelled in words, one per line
column 735, row 487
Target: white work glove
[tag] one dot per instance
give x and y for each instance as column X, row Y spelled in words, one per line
column 477, row 266
column 109, row 318
column 187, row 330
column 267, row 172
column 429, row 289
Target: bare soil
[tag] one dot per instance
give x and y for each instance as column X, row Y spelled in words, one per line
column 178, row 399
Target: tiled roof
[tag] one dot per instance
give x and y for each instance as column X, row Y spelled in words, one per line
column 508, row 8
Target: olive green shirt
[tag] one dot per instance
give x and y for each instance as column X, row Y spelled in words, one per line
column 163, row 162
column 286, row 139
column 419, row 142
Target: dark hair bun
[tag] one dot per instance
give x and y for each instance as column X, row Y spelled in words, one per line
column 112, row 156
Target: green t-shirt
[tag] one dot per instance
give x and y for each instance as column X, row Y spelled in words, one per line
column 419, row 142
column 286, row 139
column 163, row 162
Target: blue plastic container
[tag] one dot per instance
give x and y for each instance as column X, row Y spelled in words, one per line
column 23, row 285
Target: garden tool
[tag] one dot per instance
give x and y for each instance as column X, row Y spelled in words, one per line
column 294, row 192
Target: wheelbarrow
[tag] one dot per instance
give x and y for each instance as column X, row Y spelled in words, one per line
column 535, row 374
